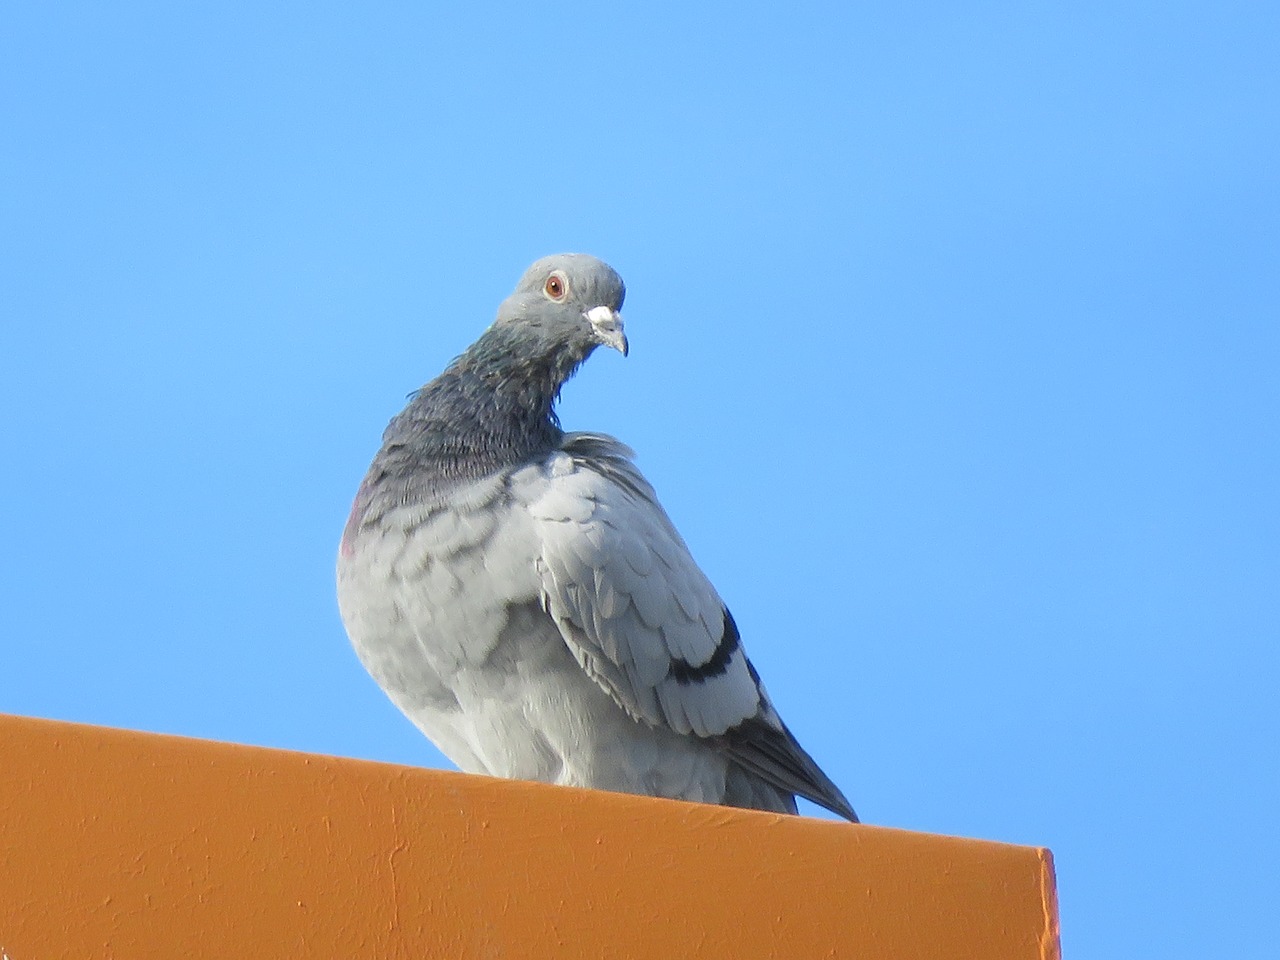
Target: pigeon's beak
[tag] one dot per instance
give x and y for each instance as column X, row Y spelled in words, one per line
column 607, row 324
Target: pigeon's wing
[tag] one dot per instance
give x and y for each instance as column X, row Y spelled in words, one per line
column 645, row 622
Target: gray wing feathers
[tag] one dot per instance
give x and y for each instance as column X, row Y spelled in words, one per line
column 643, row 620
column 633, row 605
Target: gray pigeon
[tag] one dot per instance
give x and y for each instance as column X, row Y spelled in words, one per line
column 521, row 595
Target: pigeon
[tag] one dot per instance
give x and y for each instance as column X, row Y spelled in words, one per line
column 520, row 594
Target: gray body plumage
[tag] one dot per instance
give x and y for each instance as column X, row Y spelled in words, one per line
column 521, row 595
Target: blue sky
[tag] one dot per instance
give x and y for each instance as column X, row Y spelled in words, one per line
column 955, row 356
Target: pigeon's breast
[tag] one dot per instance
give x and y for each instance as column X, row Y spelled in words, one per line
column 440, row 576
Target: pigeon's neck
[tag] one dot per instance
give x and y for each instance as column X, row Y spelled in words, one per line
column 492, row 409
column 523, row 368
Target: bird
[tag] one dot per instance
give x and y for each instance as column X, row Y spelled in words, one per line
column 522, row 597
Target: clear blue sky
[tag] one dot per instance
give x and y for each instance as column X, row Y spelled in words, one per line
column 956, row 357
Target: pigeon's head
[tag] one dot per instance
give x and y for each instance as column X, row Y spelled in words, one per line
column 567, row 303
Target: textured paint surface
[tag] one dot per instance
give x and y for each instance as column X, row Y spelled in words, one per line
column 122, row 844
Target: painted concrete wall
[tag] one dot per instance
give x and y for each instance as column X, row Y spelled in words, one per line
column 119, row 845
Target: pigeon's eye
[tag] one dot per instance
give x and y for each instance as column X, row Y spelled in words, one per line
column 556, row 287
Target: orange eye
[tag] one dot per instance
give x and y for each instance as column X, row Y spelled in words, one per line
column 555, row 287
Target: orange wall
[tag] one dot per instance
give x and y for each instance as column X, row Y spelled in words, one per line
column 123, row 845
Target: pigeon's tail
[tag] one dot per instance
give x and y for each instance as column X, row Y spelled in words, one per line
column 772, row 754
